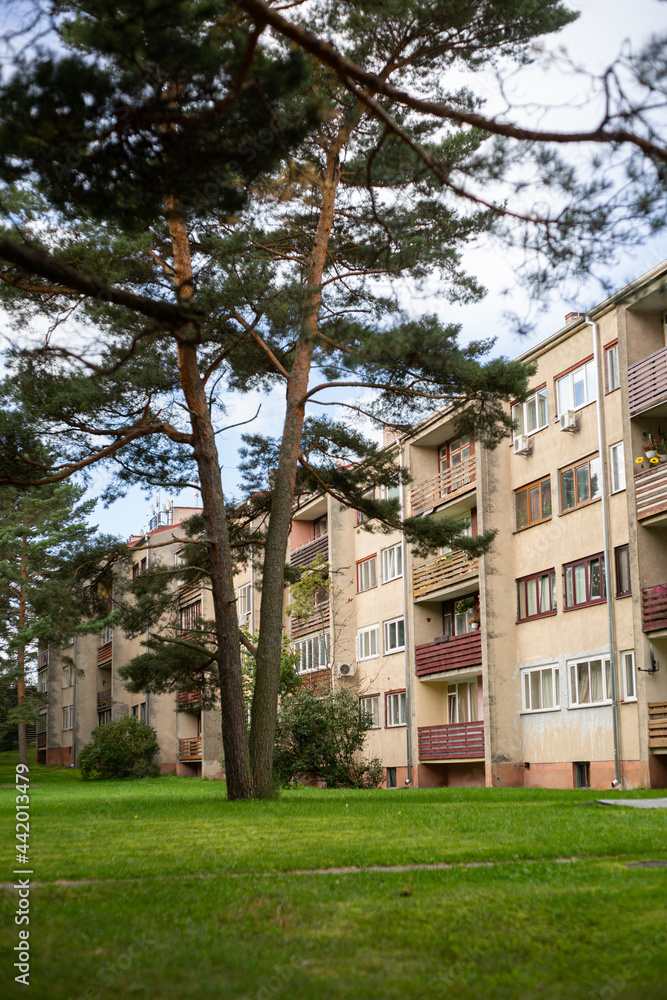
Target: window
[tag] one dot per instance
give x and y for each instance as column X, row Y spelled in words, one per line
column 395, row 708
column 106, row 635
column 244, row 603
column 41, row 724
column 458, row 616
column 617, row 467
column 532, row 504
column 103, row 718
column 590, row 682
column 313, row 653
column 43, row 680
column 68, row 717
column 622, row 559
column 392, row 562
column 320, row 527
column 391, row 777
column 66, row 677
column 531, row 416
column 611, row 367
column 580, row 484
column 462, row 702
column 188, row 616
column 541, row 689
column 368, row 495
column 628, row 667
column 366, row 574
column 585, row 582
column 576, row 388
column 390, row 493
column 368, row 642
column 582, row 774
column 466, row 529
column 454, row 458
column 536, row 595
column 394, row 635
column 371, row 705
column 142, row 711
column 135, row 711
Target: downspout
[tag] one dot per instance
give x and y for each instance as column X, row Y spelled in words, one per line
column 406, row 655
column 74, row 706
column 605, row 533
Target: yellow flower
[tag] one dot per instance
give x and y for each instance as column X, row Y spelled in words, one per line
column 654, row 460
column 639, row 460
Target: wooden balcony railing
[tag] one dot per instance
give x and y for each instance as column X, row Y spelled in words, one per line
column 651, row 491
column 457, row 652
column 190, row 749
column 461, row 740
column 654, row 608
column 647, row 382
column 657, row 725
column 41, row 741
column 317, row 621
column 447, row 485
column 103, row 699
column 444, row 572
column 304, row 555
column 104, row 653
column 188, row 698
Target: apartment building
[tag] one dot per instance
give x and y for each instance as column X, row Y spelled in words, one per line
column 534, row 665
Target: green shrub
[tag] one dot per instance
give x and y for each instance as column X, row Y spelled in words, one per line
column 323, row 738
column 122, row 749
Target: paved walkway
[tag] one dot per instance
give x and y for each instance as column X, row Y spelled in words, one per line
column 635, row 803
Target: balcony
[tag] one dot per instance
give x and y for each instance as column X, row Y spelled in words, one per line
column 304, row 555
column 647, row 384
column 457, row 652
column 104, row 653
column 651, row 492
column 447, row 485
column 190, row 749
column 460, row 741
column 654, row 608
column 657, row 725
column 187, row 698
column 41, row 741
column 103, row 699
column 315, row 622
column 445, row 571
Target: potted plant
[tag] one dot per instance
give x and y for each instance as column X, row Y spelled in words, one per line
column 465, row 604
column 650, row 449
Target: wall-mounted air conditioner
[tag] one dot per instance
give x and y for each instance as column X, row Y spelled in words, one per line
column 568, row 420
column 523, row 445
column 347, row 669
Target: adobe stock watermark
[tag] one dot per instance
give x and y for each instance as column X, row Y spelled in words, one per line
column 22, row 885
column 114, row 972
column 639, row 955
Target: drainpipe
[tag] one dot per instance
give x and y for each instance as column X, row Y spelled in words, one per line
column 605, row 534
column 74, row 706
column 406, row 655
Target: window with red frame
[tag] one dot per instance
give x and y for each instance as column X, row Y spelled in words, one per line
column 536, row 595
column 188, row 616
column 584, row 582
column 366, row 574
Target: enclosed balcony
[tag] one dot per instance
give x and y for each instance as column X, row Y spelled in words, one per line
column 104, row 653
column 654, row 608
column 305, row 554
column 190, row 749
column 444, row 573
column 651, row 494
column 103, row 699
column 657, row 726
column 455, row 653
column 647, row 385
column 187, row 699
column 317, row 621
column 447, row 485
column 460, row 741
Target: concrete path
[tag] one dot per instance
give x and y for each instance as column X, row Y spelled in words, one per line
column 635, row 803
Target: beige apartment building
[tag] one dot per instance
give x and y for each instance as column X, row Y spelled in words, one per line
column 542, row 663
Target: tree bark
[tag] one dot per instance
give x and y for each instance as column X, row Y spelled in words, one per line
column 234, row 727
column 267, row 675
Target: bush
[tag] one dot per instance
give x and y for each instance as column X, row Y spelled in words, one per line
column 122, row 749
column 322, row 738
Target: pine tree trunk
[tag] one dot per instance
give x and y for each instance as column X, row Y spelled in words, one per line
column 267, row 677
column 234, row 727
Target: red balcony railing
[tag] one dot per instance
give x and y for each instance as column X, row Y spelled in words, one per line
column 188, row 698
column 304, row 555
column 647, row 382
column 104, row 653
column 651, row 491
column 444, row 572
column 447, row 485
column 654, row 608
column 457, row 652
column 657, row 725
column 190, row 749
column 458, row 741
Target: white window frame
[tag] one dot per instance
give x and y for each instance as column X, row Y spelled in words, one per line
column 617, row 467
column 391, row 635
column 612, row 380
column 395, row 709
column 68, row 717
column 520, row 413
column 371, row 705
column 393, row 554
column 366, row 573
column 43, row 679
column 528, row 694
column 314, row 653
column 585, row 370
column 367, row 638
column 460, row 694
column 66, row 677
column 390, row 493
column 244, row 603
column 573, row 668
column 629, row 676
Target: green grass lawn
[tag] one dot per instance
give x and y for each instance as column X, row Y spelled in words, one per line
column 183, row 894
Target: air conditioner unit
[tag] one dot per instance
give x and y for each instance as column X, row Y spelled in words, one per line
column 346, row 669
column 523, row 445
column 568, row 420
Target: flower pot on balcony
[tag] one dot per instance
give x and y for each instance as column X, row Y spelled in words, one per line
column 474, row 626
column 651, row 453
